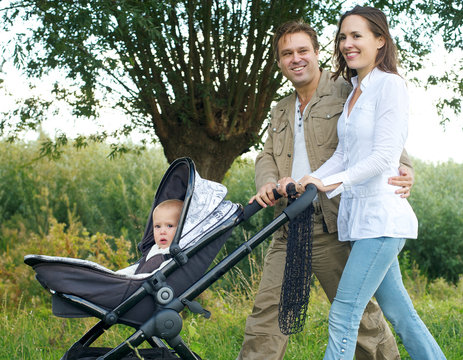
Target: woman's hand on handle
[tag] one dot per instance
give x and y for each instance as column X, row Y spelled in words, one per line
column 307, row 179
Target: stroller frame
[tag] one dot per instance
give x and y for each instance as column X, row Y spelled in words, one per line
column 166, row 323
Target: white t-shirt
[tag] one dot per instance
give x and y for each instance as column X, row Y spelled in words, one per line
column 301, row 165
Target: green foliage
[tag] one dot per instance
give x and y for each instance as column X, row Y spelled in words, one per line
column 43, row 210
column 29, row 331
column 113, row 197
column 239, row 181
column 437, row 199
column 71, row 240
column 427, row 21
column 200, row 75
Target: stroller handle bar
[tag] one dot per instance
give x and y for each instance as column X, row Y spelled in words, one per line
column 302, row 202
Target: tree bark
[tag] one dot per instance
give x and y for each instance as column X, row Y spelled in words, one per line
column 212, row 157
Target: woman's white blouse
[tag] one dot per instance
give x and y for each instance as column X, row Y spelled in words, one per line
column 371, row 140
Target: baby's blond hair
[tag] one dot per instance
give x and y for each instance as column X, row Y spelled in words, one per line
column 169, row 203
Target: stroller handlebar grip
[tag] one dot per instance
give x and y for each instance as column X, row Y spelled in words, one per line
column 251, row 209
column 292, row 210
column 302, row 202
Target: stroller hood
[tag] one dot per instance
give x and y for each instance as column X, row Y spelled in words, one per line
column 203, row 208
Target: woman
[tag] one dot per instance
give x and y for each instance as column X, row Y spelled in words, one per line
column 372, row 131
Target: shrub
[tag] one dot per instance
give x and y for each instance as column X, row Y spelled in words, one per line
column 71, row 240
column 114, row 197
column 108, row 196
column 437, row 198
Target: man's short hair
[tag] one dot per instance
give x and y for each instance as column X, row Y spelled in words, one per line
column 292, row 27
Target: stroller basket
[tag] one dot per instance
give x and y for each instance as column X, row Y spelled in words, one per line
column 150, row 302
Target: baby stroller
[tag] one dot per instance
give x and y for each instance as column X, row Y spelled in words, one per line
column 150, row 303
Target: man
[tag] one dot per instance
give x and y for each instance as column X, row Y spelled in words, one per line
column 301, row 137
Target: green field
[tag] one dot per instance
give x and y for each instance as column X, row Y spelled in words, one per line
column 85, row 206
column 30, row 331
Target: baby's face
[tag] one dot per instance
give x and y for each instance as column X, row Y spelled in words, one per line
column 165, row 225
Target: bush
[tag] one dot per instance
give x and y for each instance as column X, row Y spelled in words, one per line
column 108, row 196
column 114, row 197
column 71, row 240
column 239, row 181
column 437, row 198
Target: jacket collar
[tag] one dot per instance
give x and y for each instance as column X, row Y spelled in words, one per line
column 286, row 107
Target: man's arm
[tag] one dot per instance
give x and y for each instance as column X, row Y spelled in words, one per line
column 266, row 172
column 406, row 176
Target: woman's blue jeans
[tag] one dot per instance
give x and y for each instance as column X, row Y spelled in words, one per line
column 373, row 269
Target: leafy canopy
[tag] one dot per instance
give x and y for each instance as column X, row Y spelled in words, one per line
column 199, row 76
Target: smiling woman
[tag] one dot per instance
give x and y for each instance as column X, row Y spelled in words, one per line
column 372, row 130
column 359, row 46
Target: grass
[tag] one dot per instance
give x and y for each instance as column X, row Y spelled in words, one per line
column 440, row 307
column 28, row 330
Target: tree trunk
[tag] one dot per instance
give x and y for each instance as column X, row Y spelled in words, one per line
column 212, row 156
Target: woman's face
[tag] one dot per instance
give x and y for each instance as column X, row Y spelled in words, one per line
column 358, row 45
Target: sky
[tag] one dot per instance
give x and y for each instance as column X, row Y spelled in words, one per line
column 427, row 139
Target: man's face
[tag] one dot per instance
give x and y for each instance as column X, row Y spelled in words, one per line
column 298, row 60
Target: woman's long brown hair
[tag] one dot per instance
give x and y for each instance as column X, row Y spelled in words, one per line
column 386, row 59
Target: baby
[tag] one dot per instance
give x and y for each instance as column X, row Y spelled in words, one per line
column 165, row 221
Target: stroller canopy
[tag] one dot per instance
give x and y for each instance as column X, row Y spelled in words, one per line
column 204, row 205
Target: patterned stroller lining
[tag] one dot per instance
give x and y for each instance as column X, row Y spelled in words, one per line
column 151, row 302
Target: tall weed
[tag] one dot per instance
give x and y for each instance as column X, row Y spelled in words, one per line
column 72, row 240
column 108, row 196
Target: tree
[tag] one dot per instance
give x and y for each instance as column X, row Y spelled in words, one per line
column 198, row 75
column 201, row 75
column 427, row 21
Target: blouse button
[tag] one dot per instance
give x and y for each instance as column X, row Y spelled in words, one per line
column 274, row 129
column 289, row 155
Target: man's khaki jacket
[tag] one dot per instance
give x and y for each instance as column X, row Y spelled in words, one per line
column 320, row 130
